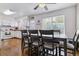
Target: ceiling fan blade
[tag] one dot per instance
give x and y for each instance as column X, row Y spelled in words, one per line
column 45, row 7
column 36, row 7
column 50, row 3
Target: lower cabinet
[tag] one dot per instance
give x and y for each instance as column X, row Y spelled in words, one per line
column 10, row 34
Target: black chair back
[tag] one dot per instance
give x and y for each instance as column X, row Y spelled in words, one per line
column 33, row 31
column 33, row 34
column 49, row 41
column 46, row 32
column 24, row 40
column 35, row 42
column 75, row 45
column 24, row 33
column 74, row 36
column 76, row 41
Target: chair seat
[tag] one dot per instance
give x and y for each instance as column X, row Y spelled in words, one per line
column 44, row 37
column 49, row 45
column 26, row 41
column 69, row 45
column 26, row 46
column 35, row 43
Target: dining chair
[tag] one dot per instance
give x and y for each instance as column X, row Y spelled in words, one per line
column 50, row 46
column 24, row 41
column 34, row 37
column 73, row 39
column 71, row 45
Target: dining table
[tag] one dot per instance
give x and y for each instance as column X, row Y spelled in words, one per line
column 59, row 37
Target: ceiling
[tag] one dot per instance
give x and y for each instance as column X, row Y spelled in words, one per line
column 22, row 9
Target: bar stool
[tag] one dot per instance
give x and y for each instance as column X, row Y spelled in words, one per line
column 50, row 45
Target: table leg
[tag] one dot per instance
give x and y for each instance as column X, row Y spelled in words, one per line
column 65, row 47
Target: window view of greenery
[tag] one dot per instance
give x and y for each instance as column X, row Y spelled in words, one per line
column 56, row 23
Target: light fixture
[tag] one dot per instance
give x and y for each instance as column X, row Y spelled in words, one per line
column 8, row 12
column 42, row 5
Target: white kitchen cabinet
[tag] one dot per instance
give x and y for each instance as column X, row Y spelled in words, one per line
column 4, row 36
column 13, row 34
column 17, row 34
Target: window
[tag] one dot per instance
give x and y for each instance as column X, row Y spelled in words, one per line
column 46, row 23
column 56, row 23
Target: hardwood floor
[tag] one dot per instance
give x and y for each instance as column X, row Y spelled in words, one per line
column 12, row 47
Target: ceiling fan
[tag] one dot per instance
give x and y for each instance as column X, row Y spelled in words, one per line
column 42, row 5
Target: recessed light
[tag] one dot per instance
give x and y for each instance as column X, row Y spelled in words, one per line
column 8, row 12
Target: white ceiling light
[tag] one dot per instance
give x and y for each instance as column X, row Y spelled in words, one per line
column 8, row 12
column 42, row 5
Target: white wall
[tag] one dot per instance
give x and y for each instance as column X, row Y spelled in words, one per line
column 69, row 13
column 7, row 20
column 23, row 23
column 77, row 16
